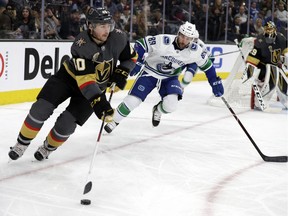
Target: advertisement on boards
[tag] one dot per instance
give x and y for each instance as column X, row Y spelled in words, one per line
column 27, row 65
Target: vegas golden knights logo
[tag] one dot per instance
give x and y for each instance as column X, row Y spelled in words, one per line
column 275, row 55
column 103, row 70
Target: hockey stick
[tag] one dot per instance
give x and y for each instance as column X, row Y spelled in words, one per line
column 264, row 157
column 88, row 185
column 225, row 53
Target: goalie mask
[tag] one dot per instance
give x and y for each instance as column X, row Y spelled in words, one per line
column 100, row 16
column 270, row 32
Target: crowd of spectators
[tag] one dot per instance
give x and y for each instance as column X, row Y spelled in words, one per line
column 64, row 19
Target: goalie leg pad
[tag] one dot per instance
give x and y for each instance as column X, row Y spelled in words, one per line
column 266, row 89
column 282, row 89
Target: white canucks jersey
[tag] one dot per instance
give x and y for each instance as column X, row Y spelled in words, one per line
column 162, row 60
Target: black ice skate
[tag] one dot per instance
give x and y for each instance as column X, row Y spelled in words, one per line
column 110, row 126
column 44, row 151
column 17, row 151
column 156, row 116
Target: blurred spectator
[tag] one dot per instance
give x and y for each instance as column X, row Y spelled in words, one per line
column 142, row 25
column 83, row 24
column 258, row 26
column 36, row 13
column 242, row 14
column 7, row 17
column 243, row 28
column 282, row 14
column 158, row 29
column 51, row 25
column 135, row 28
column 180, row 15
column 200, row 15
column 97, row 3
column 155, row 17
column 111, row 6
column 233, row 9
column 216, row 20
column 266, row 7
column 71, row 27
column 156, row 4
column 78, row 4
column 253, row 10
column 235, row 30
column 25, row 24
column 125, row 16
column 121, row 5
column 118, row 21
column 138, row 7
column 19, row 4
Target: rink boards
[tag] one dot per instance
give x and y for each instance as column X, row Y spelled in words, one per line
column 26, row 65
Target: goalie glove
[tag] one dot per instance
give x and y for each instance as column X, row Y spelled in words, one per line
column 119, row 77
column 217, row 87
column 102, row 108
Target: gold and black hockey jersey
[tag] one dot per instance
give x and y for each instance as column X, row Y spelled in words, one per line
column 263, row 53
column 92, row 65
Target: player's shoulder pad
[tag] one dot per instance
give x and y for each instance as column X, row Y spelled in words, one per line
column 281, row 37
column 260, row 41
column 164, row 39
column 200, row 42
column 118, row 35
column 195, row 46
column 81, row 39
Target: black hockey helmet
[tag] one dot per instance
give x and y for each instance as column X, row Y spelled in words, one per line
column 98, row 15
column 270, row 32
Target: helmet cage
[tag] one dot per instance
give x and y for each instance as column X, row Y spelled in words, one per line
column 270, row 32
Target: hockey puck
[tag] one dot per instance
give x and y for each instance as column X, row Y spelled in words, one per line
column 85, row 202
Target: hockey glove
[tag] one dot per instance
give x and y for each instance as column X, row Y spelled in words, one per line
column 119, row 76
column 102, row 108
column 217, row 87
column 136, row 69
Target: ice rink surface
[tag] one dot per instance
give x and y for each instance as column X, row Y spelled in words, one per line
column 198, row 162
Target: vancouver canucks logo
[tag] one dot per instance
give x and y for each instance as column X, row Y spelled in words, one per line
column 80, row 42
column 165, row 68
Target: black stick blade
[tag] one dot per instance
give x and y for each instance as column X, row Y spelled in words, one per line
column 88, row 187
column 280, row 159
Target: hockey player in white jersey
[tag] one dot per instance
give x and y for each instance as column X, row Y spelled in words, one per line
column 161, row 59
column 189, row 74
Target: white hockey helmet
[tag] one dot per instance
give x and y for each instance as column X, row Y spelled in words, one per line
column 189, row 30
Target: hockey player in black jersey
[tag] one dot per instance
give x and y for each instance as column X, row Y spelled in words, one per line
column 84, row 80
column 267, row 49
column 268, row 54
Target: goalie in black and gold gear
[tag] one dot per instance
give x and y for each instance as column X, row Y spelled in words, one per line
column 84, row 79
column 269, row 53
